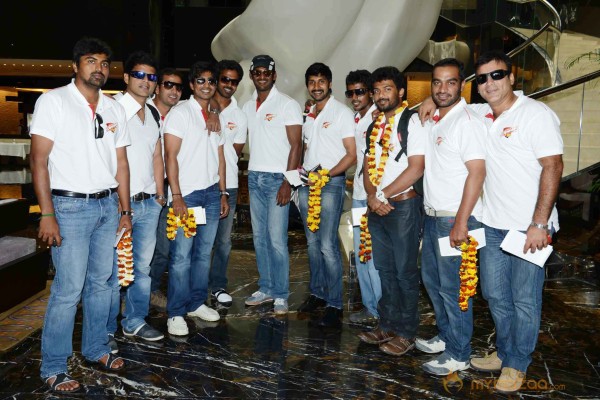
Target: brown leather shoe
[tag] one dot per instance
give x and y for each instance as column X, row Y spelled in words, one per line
column 397, row 346
column 376, row 336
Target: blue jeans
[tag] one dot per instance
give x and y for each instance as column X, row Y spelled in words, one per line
column 190, row 257
column 137, row 294
column 270, row 233
column 83, row 267
column 218, row 270
column 160, row 259
column 442, row 281
column 513, row 290
column 323, row 245
column 396, row 247
column 368, row 277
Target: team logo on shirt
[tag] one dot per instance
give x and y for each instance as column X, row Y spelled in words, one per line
column 326, row 124
column 111, row 127
column 508, row 131
column 269, row 117
column 439, row 140
column 231, row 126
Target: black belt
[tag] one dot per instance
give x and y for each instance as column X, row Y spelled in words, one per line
column 141, row 196
column 97, row 195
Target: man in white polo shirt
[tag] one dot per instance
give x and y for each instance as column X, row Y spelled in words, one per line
column 235, row 130
column 454, row 175
column 275, row 135
column 329, row 136
column 146, row 170
column 395, row 214
column 196, row 171
column 358, row 92
column 79, row 162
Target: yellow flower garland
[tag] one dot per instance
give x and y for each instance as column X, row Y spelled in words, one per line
column 125, row 259
column 468, row 273
column 174, row 222
column 376, row 174
column 319, row 180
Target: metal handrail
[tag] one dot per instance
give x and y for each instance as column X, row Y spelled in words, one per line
column 558, row 22
column 565, row 85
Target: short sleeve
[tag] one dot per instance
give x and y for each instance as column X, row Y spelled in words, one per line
column 292, row 113
column 417, row 137
column 347, row 124
column 543, row 133
column 242, row 131
column 175, row 123
column 45, row 116
column 470, row 136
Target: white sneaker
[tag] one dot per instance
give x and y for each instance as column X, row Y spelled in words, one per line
column 177, row 326
column 223, row 297
column 431, row 346
column 444, row 365
column 205, row 313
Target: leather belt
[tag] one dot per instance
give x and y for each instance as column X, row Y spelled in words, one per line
column 97, row 195
column 141, row 196
column 439, row 213
column 404, row 196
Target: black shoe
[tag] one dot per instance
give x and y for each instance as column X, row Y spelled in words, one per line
column 332, row 317
column 311, row 304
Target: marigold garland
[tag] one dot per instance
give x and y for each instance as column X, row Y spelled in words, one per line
column 319, row 179
column 125, row 259
column 175, row 222
column 468, row 272
column 376, row 173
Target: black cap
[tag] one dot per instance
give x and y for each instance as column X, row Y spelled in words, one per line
column 263, row 61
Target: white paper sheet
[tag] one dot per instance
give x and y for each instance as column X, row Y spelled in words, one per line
column 446, row 250
column 130, row 105
column 514, row 242
column 119, row 236
column 357, row 214
column 293, row 177
column 200, row 214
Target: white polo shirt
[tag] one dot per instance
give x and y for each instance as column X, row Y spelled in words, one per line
column 457, row 138
column 78, row 161
column 527, row 131
column 360, row 136
column 324, row 134
column 234, row 126
column 198, row 156
column 416, row 147
column 144, row 136
column 269, row 144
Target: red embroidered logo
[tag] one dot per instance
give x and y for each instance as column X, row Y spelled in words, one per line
column 231, row 126
column 326, row 124
column 112, row 127
column 508, row 131
column 439, row 140
column 269, row 117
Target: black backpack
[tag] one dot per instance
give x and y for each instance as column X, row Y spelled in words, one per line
column 403, row 131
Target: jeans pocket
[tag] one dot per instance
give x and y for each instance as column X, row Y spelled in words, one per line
column 64, row 205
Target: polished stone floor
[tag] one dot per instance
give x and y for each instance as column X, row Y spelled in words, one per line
column 251, row 353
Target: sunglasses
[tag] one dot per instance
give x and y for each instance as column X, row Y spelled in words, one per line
column 234, row 82
column 171, row 85
column 357, row 92
column 495, row 75
column 98, row 129
column 202, row 81
column 142, row 75
column 266, row 73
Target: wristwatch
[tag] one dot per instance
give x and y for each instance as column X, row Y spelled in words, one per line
column 224, row 193
column 129, row 212
column 381, row 197
column 539, row 226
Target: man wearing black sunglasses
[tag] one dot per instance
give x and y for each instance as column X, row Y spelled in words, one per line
column 196, row 169
column 146, row 171
column 234, row 129
column 275, row 134
column 79, row 163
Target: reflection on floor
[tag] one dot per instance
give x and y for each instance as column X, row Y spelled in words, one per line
column 251, row 353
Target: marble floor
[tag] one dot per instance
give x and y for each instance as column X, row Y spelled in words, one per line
column 251, row 353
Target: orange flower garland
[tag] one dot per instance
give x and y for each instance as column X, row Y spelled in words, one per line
column 376, row 173
column 175, row 222
column 125, row 259
column 319, row 180
column 468, row 273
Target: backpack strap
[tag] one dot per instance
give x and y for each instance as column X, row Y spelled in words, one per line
column 368, row 141
column 403, row 131
column 155, row 114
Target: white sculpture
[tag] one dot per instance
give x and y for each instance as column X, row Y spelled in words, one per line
column 344, row 34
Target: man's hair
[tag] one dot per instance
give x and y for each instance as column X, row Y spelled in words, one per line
column 139, row 58
column 360, row 76
column 230, row 64
column 389, row 73
column 90, row 45
column 318, row 69
column 452, row 62
column 199, row 67
column 169, row 71
column 493, row 55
